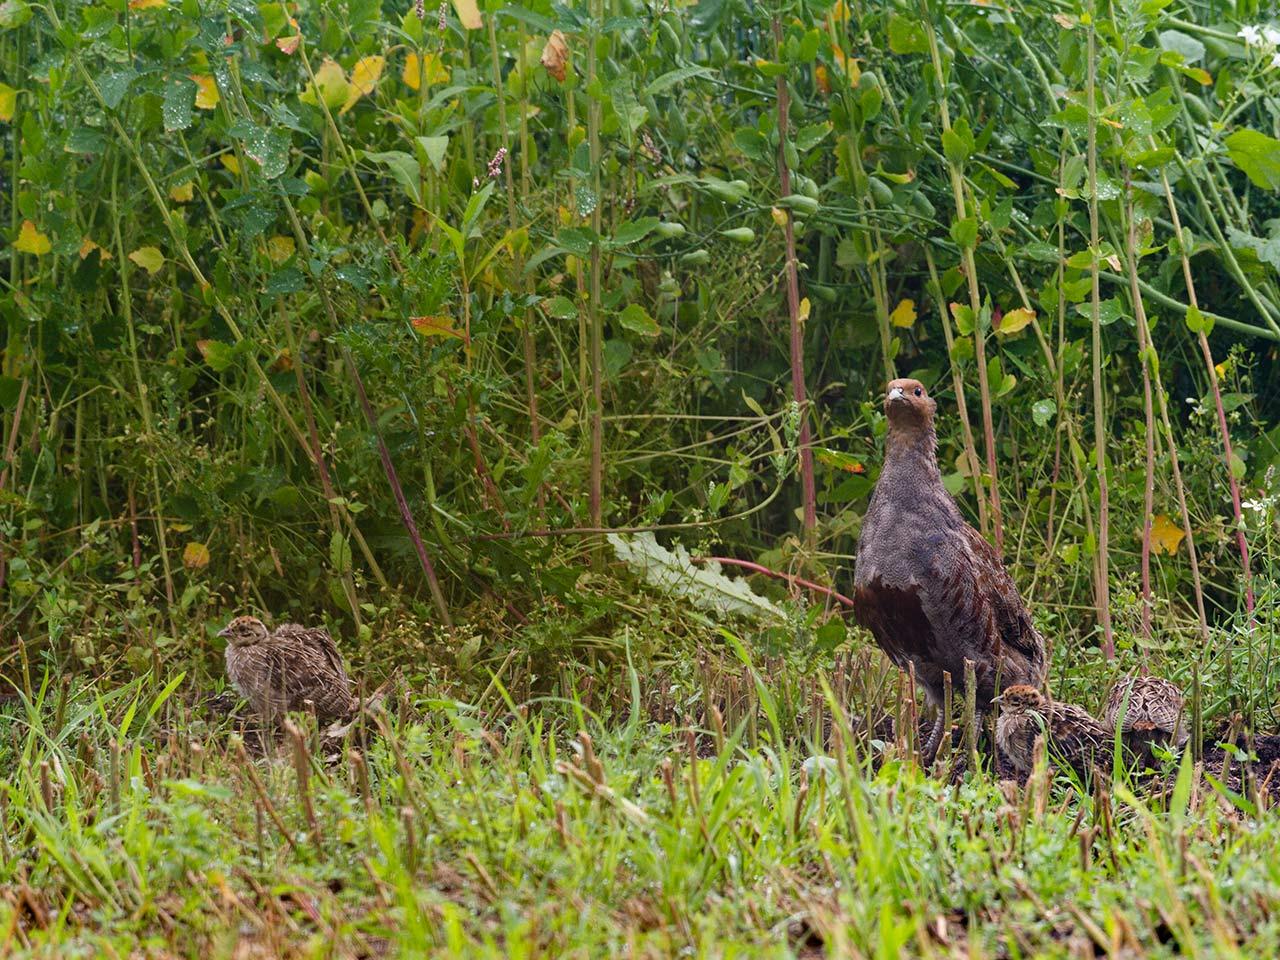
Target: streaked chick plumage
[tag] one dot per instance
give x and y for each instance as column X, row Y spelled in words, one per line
column 1149, row 710
column 280, row 670
column 1072, row 735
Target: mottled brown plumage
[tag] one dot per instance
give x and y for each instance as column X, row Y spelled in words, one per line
column 1072, row 736
column 278, row 671
column 1149, row 711
column 930, row 589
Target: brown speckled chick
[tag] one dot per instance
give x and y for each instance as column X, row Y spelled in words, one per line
column 1153, row 714
column 278, row 671
column 1072, row 735
column 930, row 589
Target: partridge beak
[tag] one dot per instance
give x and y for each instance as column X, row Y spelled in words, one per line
column 896, row 393
column 999, row 699
column 224, row 632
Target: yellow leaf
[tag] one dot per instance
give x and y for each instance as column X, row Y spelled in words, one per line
column 231, row 162
column 195, row 556
column 280, row 249
column 149, row 259
column 468, row 13
column 1165, row 535
column 848, row 64
column 438, row 326
column 288, row 45
column 88, row 246
column 207, row 95
column 804, row 309
column 904, row 314
column 31, row 240
column 429, row 70
column 555, row 55
column 364, row 78
column 822, row 79
column 779, row 216
column 1015, row 320
column 183, row 192
column 330, row 84
column 147, row 4
column 8, row 102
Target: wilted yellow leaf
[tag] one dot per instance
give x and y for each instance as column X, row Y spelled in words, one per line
column 8, row 102
column 1015, row 320
column 330, row 84
column 364, row 78
column 822, row 79
column 147, row 4
column 88, row 246
column 195, row 556
column 848, row 64
column 149, row 259
column 31, row 240
column 1165, row 535
column 805, row 308
column 207, row 96
column 231, row 162
column 779, row 216
column 429, row 70
column 283, row 362
column 555, row 55
column 437, row 326
column 288, row 45
column 904, row 314
column 468, row 13
column 280, row 248
column 183, row 192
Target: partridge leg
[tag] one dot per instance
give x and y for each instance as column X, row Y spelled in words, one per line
column 934, row 742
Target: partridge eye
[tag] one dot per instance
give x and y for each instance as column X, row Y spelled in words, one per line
column 919, row 392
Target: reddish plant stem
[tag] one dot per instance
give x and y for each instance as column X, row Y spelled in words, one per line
column 808, row 487
column 406, row 515
column 790, row 578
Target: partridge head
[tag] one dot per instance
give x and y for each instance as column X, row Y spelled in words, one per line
column 245, row 632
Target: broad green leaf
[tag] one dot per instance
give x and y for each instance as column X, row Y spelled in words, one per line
column 435, row 149
column 633, row 230
column 1042, row 411
column 561, row 308
column 149, row 259
column 636, row 319
column 1015, row 320
column 1258, row 155
column 404, row 170
column 672, row 77
column 906, row 35
column 179, row 99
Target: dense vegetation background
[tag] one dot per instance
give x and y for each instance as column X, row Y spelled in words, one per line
column 382, row 316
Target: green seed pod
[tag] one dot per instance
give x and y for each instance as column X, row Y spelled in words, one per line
column 742, row 235
column 805, row 206
column 881, row 192
column 670, row 229
column 696, row 258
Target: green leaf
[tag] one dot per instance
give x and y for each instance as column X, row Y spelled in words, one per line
column 1181, row 43
column 179, row 100
column 636, row 319
column 906, row 35
column 1258, row 155
column 560, row 308
column 339, row 552
column 1042, row 411
column 14, row 13
column 435, row 149
column 218, row 355
column 269, row 149
column 964, row 233
column 633, row 230
column 957, row 143
column 114, row 85
column 672, row 77
column 404, row 170
column 1197, row 322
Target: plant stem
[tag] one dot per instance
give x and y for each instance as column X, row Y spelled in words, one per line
column 595, row 319
column 798, row 395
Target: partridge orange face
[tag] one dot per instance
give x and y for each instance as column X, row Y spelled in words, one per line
column 1021, row 698
column 245, row 631
column 907, row 402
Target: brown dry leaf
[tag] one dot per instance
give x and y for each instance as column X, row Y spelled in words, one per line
column 1166, row 536
column 195, row 556
column 555, row 55
column 88, row 246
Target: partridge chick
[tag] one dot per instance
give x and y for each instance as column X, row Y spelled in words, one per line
column 278, row 671
column 1149, row 711
column 1072, row 735
column 930, row 589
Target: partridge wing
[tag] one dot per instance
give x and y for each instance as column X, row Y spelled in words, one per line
column 1079, row 738
column 316, row 669
column 1012, row 621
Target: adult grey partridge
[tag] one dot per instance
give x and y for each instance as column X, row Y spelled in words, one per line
column 280, row 670
column 1149, row 711
column 928, row 587
column 1072, row 736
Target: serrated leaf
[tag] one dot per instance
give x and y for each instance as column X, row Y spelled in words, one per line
column 1197, row 322
column 149, row 259
column 179, row 99
column 218, row 355
column 1166, row 536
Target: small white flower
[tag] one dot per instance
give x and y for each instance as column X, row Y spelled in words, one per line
column 1271, row 35
column 1250, row 35
column 1275, row 60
